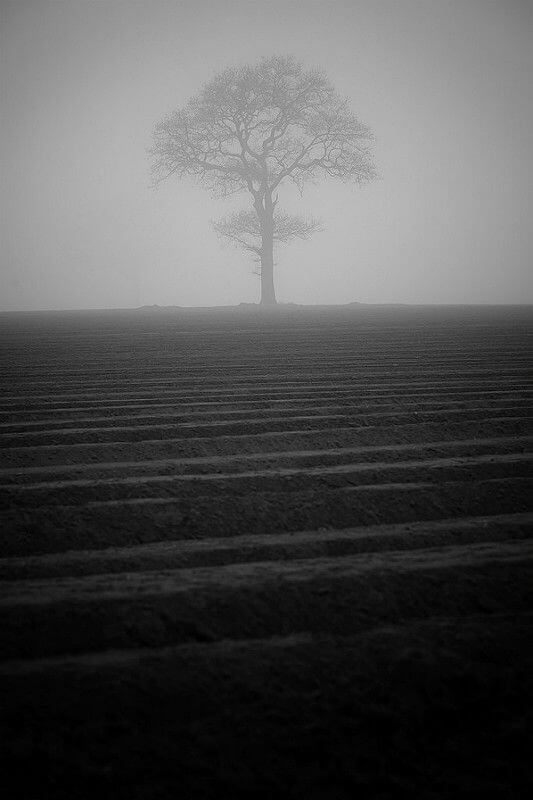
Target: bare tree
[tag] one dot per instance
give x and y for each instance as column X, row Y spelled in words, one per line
column 243, row 228
column 253, row 129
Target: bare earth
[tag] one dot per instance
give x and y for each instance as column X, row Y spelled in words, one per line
column 266, row 554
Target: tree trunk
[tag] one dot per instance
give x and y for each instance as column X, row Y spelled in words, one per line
column 266, row 216
column 268, row 294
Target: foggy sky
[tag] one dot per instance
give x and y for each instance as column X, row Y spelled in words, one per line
column 445, row 85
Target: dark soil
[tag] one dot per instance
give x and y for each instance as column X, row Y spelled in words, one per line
column 266, row 554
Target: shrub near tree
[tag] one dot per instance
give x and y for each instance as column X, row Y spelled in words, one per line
column 254, row 129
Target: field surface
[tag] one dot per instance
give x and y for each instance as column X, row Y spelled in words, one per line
column 266, row 555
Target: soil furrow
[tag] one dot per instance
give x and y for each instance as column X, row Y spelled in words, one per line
column 115, row 523
column 84, row 490
column 338, row 453
column 260, row 424
column 296, row 545
column 232, row 414
column 177, row 388
column 31, row 412
column 340, row 595
column 237, row 443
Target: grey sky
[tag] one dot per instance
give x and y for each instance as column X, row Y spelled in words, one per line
column 445, row 85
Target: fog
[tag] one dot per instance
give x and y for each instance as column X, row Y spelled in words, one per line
column 445, row 86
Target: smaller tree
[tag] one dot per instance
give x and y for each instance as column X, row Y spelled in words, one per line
column 243, row 229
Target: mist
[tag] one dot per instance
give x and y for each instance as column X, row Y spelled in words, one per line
column 445, row 87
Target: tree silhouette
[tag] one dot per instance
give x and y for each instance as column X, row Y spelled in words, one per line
column 253, row 129
column 243, row 228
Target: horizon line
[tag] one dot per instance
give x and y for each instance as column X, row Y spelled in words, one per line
column 250, row 305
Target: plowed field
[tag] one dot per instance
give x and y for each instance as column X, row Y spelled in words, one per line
column 279, row 554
